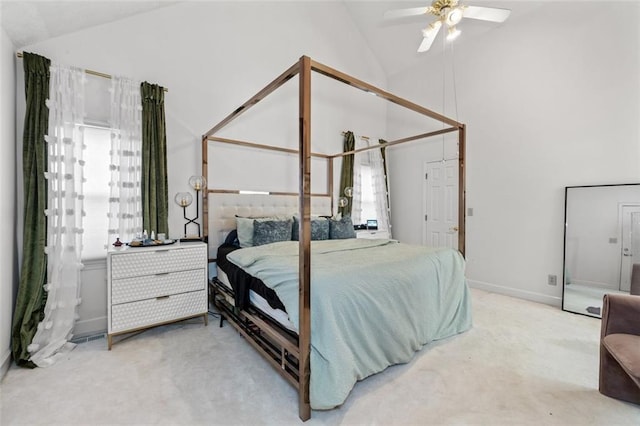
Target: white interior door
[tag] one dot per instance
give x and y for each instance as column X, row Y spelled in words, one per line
column 440, row 201
column 630, row 244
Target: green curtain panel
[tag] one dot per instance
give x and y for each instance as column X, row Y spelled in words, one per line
column 346, row 174
column 383, row 152
column 29, row 310
column 155, row 204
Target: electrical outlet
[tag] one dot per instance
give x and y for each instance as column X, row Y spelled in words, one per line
column 553, row 280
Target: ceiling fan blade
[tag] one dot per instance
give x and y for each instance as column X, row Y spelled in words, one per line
column 403, row 13
column 486, row 13
column 429, row 36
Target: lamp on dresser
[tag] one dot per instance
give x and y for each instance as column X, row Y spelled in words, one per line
column 184, row 200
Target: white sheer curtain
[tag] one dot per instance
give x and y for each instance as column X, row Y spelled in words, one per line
column 370, row 163
column 125, row 202
column 65, row 178
column 378, row 178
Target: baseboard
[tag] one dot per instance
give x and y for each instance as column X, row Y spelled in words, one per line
column 6, row 363
column 593, row 284
column 513, row 292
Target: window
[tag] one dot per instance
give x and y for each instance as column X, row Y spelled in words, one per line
column 368, row 201
column 96, row 191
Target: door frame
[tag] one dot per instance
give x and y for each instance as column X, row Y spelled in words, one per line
column 460, row 200
column 621, row 207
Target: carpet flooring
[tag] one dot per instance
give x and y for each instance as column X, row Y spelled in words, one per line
column 522, row 363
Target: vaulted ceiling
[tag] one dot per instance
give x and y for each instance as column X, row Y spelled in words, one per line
column 28, row 22
column 394, row 43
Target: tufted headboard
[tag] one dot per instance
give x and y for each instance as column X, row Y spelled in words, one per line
column 223, row 208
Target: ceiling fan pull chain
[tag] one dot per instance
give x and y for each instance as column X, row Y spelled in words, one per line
column 453, row 75
column 444, row 88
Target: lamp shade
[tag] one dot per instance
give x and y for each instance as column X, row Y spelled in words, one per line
column 183, row 199
column 453, row 33
column 198, row 182
column 348, row 191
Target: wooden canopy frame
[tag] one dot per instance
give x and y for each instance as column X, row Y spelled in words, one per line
column 304, row 68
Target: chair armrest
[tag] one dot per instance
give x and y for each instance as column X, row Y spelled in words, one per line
column 620, row 314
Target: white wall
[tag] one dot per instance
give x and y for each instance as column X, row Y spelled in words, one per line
column 213, row 56
column 550, row 99
column 8, row 256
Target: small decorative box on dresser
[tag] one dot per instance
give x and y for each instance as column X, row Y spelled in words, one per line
column 151, row 286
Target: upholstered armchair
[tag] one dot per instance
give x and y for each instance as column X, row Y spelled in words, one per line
column 635, row 279
column 620, row 347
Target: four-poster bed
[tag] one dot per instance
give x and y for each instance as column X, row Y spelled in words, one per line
column 287, row 351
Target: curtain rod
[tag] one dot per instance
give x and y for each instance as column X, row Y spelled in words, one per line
column 361, row 137
column 96, row 73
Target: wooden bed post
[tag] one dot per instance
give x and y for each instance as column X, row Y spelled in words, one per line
column 462, row 135
column 304, row 257
column 205, row 192
column 330, row 180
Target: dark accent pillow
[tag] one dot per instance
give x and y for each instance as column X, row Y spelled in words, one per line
column 271, row 231
column 232, row 238
column 319, row 229
column 341, row 229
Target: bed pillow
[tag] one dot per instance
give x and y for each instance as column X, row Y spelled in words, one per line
column 232, row 238
column 244, row 225
column 271, row 231
column 341, row 228
column 319, row 229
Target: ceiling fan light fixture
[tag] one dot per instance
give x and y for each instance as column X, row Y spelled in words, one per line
column 454, row 16
column 448, row 13
column 453, row 33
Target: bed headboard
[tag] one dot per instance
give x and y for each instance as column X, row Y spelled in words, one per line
column 223, row 208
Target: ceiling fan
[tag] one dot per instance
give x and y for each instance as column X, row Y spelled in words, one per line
column 449, row 13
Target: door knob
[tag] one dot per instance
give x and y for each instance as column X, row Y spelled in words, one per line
column 454, row 228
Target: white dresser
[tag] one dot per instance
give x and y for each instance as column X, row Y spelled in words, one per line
column 150, row 286
column 372, row 234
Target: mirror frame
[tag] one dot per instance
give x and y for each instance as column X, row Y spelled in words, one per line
column 564, row 246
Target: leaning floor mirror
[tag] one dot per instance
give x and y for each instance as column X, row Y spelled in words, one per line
column 601, row 245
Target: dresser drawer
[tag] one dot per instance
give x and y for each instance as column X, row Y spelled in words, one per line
column 148, row 312
column 151, row 286
column 157, row 261
column 372, row 234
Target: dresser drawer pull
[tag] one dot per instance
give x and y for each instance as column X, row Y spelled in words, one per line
column 162, row 273
column 162, row 297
